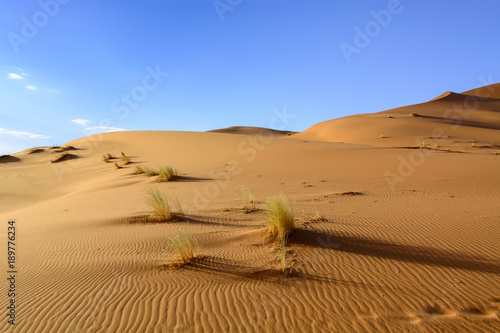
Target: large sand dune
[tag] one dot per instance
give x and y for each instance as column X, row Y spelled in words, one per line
column 389, row 239
column 449, row 120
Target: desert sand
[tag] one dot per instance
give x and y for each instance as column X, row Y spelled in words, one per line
column 397, row 213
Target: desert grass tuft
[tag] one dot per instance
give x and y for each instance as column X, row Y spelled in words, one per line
column 117, row 166
column 497, row 152
column 158, row 202
column 125, row 159
column 105, row 158
column 150, row 172
column 280, row 217
column 161, row 206
column 167, row 173
column 184, row 245
column 250, row 201
column 381, row 136
column 138, row 170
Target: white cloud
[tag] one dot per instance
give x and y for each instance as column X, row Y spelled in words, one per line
column 23, row 134
column 82, row 122
column 105, row 129
column 31, row 88
column 14, row 76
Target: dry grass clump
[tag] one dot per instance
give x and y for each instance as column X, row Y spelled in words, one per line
column 117, row 166
column 138, row 170
column 281, row 221
column 105, row 158
column 150, row 172
column 250, row 201
column 184, row 245
column 161, row 206
column 381, row 136
column 167, row 173
column 497, row 152
column 125, row 159
column 280, row 216
column 415, row 115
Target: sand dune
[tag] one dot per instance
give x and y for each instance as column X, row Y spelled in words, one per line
column 450, row 121
column 388, row 238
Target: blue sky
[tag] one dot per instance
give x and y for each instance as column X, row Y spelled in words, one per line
column 70, row 68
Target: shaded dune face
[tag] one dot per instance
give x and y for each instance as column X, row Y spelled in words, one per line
column 368, row 254
column 247, row 130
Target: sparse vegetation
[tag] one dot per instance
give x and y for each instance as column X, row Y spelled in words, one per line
column 250, row 201
column 472, row 144
column 125, row 159
column 117, row 166
column 105, row 158
column 415, row 115
column 150, row 172
column 167, row 173
column 381, row 136
column 109, row 156
column 184, row 245
column 497, row 152
column 138, row 170
column 280, row 217
column 160, row 205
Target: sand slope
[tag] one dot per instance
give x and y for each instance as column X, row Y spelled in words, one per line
column 450, row 121
column 389, row 238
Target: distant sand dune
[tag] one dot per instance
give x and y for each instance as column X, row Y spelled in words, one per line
column 441, row 121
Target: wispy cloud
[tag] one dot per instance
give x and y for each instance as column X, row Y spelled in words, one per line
column 14, row 76
column 82, row 122
column 31, row 88
column 104, row 129
column 23, row 134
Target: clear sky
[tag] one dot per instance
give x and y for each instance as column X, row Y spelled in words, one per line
column 71, row 67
